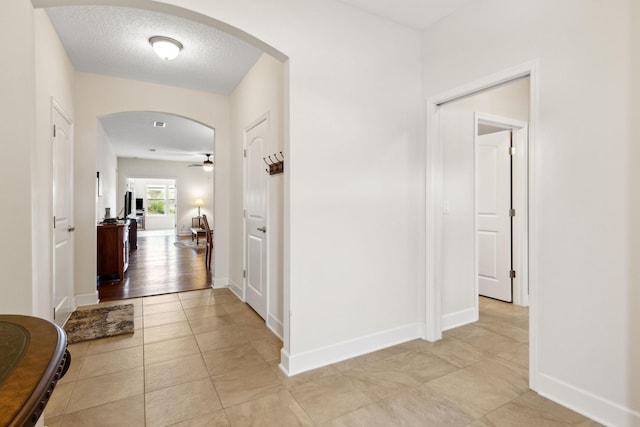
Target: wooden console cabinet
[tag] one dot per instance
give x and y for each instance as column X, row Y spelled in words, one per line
column 113, row 250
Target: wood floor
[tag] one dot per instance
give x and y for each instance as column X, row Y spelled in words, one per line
column 159, row 267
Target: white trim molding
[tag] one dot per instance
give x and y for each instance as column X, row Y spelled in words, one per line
column 284, row 361
column 220, row 282
column 233, row 287
column 433, row 230
column 276, row 326
column 600, row 409
column 87, row 299
column 305, row 361
column 459, row 318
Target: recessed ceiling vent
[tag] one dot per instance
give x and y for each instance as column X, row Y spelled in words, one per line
column 157, row 124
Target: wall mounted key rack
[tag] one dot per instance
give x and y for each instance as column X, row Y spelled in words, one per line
column 275, row 164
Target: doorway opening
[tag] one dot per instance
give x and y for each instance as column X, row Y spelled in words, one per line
column 501, row 147
column 227, row 262
column 454, row 120
column 156, row 207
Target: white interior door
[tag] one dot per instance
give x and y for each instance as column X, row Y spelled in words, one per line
column 62, row 291
column 256, row 217
column 493, row 192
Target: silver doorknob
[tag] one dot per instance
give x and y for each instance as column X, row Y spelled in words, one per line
column 71, row 229
column 263, row 229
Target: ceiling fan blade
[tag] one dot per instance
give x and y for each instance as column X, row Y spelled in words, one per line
column 207, row 164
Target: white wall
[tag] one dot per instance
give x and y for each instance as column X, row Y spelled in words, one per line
column 458, row 129
column 354, row 173
column 53, row 79
column 633, row 354
column 191, row 184
column 259, row 93
column 96, row 96
column 17, row 184
column 352, row 194
column 581, row 182
column 107, row 165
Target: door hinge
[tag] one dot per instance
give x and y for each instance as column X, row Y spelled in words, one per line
column 54, row 131
column 244, row 274
column 245, row 153
column 512, row 151
column 54, row 222
column 244, row 213
column 512, row 212
column 512, row 274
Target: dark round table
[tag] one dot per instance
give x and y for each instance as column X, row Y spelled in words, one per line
column 33, row 357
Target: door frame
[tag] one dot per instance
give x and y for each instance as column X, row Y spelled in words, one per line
column 519, row 235
column 434, row 163
column 264, row 117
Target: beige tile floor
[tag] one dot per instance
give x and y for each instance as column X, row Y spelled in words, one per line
column 203, row 358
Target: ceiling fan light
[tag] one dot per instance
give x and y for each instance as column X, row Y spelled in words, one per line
column 207, row 165
column 165, row 47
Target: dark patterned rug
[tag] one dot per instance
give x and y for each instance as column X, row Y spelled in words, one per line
column 84, row 325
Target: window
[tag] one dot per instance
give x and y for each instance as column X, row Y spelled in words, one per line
column 160, row 199
column 171, row 198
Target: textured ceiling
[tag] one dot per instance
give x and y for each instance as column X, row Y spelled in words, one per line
column 132, row 134
column 418, row 14
column 115, row 41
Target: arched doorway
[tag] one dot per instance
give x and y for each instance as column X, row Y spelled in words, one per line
column 232, row 213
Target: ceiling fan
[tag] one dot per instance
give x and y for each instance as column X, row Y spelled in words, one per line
column 207, row 165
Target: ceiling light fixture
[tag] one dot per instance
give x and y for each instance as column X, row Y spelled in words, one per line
column 165, row 47
column 207, row 165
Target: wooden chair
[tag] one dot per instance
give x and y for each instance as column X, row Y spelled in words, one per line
column 208, row 254
column 196, row 222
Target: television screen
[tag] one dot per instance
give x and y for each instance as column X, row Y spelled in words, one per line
column 127, row 203
column 139, row 205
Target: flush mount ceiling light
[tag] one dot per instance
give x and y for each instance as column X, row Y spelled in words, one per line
column 165, row 47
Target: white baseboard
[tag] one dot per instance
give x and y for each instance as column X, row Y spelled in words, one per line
column 595, row 407
column 284, row 361
column 236, row 289
column 87, row 299
column 220, row 282
column 459, row 318
column 302, row 362
column 276, row 326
